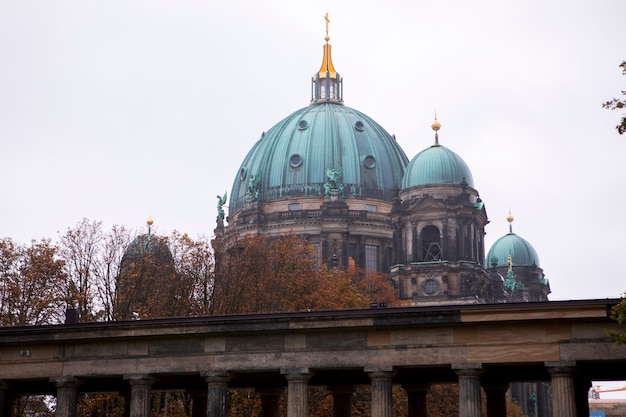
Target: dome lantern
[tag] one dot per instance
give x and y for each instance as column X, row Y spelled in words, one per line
column 327, row 84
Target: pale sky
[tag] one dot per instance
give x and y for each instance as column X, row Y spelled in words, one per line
column 120, row 110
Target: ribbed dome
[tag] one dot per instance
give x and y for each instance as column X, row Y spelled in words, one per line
column 436, row 165
column 150, row 246
column 292, row 158
column 522, row 253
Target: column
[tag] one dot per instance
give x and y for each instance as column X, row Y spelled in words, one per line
column 67, row 395
column 140, row 390
column 217, row 391
column 382, row 402
column 342, row 400
column 469, row 389
column 416, row 395
column 297, row 393
column 563, row 392
column 269, row 401
column 496, row 397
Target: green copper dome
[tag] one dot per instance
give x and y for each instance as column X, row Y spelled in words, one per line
column 522, row 253
column 436, row 165
column 299, row 155
column 148, row 246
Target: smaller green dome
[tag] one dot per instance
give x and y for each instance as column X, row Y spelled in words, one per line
column 436, row 165
column 522, row 253
column 148, row 246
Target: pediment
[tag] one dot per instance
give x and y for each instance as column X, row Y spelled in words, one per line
column 425, row 203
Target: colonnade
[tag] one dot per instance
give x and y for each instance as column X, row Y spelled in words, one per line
column 566, row 398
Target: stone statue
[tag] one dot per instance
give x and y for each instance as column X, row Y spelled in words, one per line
column 333, row 187
column 252, row 194
column 220, row 206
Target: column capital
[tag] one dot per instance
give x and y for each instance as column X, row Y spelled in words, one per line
column 65, row 381
column 384, row 372
column 219, row 376
column 139, row 379
column 561, row 368
column 468, row 369
column 297, row 374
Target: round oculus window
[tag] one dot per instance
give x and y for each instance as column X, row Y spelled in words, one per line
column 295, row 161
column 303, row 125
column 359, row 126
column 430, row 286
column 369, row 161
column 242, row 174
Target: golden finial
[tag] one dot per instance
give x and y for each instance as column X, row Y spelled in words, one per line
column 149, row 223
column 436, row 126
column 510, row 219
column 327, row 38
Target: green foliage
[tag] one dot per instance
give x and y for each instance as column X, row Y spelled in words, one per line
column 618, row 313
column 618, row 104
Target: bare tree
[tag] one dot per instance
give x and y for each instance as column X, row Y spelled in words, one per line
column 79, row 247
column 112, row 247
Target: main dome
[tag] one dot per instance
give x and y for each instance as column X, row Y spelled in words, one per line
column 292, row 158
column 434, row 166
column 318, row 147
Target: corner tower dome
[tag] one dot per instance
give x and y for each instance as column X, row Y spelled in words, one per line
column 521, row 252
column 297, row 157
column 437, row 165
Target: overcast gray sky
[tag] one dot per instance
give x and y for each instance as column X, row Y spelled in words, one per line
column 119, row 110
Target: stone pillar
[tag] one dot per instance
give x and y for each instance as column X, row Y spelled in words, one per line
column 217, row 393
column 140, row 390
column 297, row 393
column 382, row 403
column 469, row 389
column 496, row 397
column 563, row 391
column 67, row 395
column 342, row 400
column 416, row 396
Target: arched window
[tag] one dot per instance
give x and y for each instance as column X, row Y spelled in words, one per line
column 431, row 244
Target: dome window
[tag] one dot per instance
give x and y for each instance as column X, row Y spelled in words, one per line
column 359, row 126
column 242, row 174
column 303, row 125
column 295, row 161
column 431, row 244
column 369, row 161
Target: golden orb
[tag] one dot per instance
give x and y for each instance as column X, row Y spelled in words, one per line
column 435, row 126
column 510, row 218
column 149, row 221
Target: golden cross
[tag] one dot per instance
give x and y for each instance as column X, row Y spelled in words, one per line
column 327, row 20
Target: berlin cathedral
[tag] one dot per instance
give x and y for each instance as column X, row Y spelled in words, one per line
column 336, row 178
